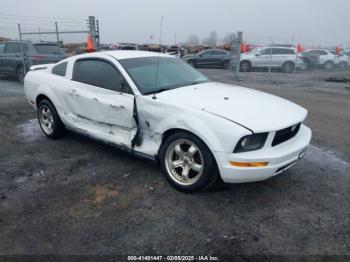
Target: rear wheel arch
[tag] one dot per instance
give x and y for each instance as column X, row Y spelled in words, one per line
column 42, row 97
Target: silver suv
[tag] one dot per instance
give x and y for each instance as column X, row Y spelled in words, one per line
column 15, row 59
column 284, row 58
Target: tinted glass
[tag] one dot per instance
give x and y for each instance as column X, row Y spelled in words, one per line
column 283, row 51
column 266, row 51
column 2, row 48
column 13, row 48
column 60, row 69
column 206, row 53
column 97, row 73
column 47, row 49
column 154, row 74
column 218, row 52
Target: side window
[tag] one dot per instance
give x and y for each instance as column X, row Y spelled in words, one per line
column 2, row 48
column 266, row 51
column 277, row 51
column 217, row 52
column 60, row 69
column 287, row 51
column 323, row 53
column 97, row 73
column 13, row 48
column 207, row 53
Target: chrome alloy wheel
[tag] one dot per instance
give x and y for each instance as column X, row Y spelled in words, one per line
column 46, row 119
column 184, row 162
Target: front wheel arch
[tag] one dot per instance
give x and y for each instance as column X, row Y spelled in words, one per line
column 215, row 174
column 41, row 97
column 172, row 131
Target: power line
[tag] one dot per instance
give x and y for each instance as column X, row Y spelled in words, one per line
column 42, row 17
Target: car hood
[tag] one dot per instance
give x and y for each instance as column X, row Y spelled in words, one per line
column 255, row 110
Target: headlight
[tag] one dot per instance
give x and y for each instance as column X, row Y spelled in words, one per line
column 251, row 142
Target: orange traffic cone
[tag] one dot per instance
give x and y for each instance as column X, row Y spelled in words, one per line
column 337, row 50
column 299, row 48
column 242, row 47
column 90, row 45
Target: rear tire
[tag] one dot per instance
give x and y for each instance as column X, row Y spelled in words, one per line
column 187, row 163
column 245, row 66
column 49, row 121
column 329, row 65
column 288, row 67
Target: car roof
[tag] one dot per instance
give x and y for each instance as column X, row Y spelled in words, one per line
column 124, row 54
column 284, row 47
column 16, row 41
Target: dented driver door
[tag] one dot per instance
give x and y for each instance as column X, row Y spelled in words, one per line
column 101, row 106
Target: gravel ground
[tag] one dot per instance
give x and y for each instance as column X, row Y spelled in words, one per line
column 78, row 196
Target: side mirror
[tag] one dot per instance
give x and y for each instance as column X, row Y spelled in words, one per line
column 200, row 55
column 257, row 54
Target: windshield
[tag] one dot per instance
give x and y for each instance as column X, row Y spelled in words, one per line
column 47, row 49
column 253, row 51
column 172, row 73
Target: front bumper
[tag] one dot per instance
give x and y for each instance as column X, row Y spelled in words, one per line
column 280, row 158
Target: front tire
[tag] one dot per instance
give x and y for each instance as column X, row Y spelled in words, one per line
column 187, row 163
column 49, row 121
column 245, row 66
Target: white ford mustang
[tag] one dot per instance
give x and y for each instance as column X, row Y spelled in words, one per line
column 157, row 106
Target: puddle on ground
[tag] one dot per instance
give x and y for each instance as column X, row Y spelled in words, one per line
column 29, row 131
column 326, row 158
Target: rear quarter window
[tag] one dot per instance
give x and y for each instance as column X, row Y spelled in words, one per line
column 60, row 69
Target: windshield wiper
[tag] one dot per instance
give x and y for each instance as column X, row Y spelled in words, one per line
column 157, row 91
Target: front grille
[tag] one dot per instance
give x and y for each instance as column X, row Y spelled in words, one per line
column 285, row 134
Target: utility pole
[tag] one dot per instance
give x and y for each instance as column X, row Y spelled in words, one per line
column 57, row 36
column 22, row 50
column 98, row 32
column 238, row 53
column 92, row 28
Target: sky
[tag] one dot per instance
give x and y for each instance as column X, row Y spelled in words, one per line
column 310, row 22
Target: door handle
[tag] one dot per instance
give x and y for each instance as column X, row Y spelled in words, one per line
column 116, row 107
column 73, row 93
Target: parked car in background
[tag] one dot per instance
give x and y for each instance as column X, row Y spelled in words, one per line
column 197, row 129
column 128, row 46
column 175, row 51
column 16, row 57
column 341, row 60
column 284, row 58
column 209, row 58
column 314, row 58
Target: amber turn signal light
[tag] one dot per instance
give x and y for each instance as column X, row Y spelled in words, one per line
column 251, row 164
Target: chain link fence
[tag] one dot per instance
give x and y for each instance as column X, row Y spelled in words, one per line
column 23, row 45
